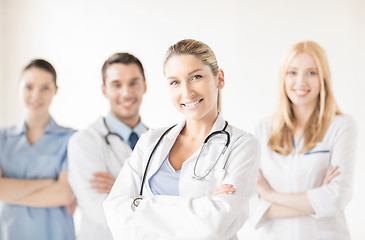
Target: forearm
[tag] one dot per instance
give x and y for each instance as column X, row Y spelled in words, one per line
column 297, row 201
column 52, row 196
column 14, row 189
column 279, row 211
column 58, row 194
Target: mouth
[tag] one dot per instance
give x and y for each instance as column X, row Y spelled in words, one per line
column 36, row 105
column 301, row 92
column 127, row 104
column 192, row 104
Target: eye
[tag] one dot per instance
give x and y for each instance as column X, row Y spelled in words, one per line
column 293, row 73
column 134, row 83
column 28, row 87
column 45, row 88
column 116, row 85
column 174, row 83
column 195, row 77
column 311, row 73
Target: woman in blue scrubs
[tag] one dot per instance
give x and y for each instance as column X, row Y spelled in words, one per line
column 35, row 199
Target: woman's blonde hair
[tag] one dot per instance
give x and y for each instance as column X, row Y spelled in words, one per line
column 199, row 50
column 282, row 122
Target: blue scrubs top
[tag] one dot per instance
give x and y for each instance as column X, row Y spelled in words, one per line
column 166, row 180
column 44, row 159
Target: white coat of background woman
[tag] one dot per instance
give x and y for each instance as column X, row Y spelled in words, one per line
column 307, row 155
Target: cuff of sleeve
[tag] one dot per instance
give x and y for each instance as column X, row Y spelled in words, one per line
column 258, row 208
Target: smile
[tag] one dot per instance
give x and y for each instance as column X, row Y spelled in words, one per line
column 301, row 92
column 192, row 105
column 127, row 103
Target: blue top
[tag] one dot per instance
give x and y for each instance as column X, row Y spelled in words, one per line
column 166, row 180
column 44, row 159
column 122, row 129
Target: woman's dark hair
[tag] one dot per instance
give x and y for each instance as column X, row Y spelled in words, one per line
column 123, row 58
column 44, row 65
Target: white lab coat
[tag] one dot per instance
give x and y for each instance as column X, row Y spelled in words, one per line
column 195, row 214
column 300, row 172
column 88, row 153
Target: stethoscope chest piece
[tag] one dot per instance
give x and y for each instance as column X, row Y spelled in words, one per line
column 135, row 203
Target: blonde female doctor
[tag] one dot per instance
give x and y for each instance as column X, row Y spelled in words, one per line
column 175, row 186
column 308, row 153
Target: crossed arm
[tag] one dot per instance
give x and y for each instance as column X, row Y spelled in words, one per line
column 40, row 193
column 286, row 205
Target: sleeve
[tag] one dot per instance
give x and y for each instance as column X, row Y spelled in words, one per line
column 64, row 160
column 329, row 199
column 85, row 158
column 1, row 147
column 171, row 217
column 259, row 206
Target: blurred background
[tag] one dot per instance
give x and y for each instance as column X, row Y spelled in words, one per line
column 250, row 39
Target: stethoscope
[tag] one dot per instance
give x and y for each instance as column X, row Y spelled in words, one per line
column 110, row 133
column 137, row 200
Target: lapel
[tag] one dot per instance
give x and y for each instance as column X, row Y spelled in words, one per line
column 162, row 151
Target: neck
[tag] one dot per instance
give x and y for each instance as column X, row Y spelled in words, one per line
column 131, row 122
column 37, row 122
column 200, row 128
column 302, row 115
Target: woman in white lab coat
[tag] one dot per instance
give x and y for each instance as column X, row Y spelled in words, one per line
column 307, row 155
column 191, row 190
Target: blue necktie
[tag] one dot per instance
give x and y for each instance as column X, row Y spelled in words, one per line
column 133, row 138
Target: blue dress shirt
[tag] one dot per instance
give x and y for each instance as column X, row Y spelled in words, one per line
column 44, row 159
column 122, row 129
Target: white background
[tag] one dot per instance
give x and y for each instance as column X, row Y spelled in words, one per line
column 249, row 38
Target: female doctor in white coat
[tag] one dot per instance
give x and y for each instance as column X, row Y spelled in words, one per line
column 189, row 190
column 308, row 152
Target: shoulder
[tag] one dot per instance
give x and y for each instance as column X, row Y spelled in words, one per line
column 5, row 131
column 263, row 129
column 66, row 130
column 342, row 124
column 91, row 133
column 239, row 137
column 343, row 120
column 154, row 134
column 13, row 130
column 55, row 129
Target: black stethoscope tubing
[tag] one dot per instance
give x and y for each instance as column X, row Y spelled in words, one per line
column 110, row 133
column 223, row 131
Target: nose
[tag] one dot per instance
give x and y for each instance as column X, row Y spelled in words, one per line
column 125, row 91
column 187, row 91
column 301, row 77
column 36, row 93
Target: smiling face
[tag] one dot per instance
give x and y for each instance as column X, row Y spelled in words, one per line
column 37, row 88
column 124, row 88
column 302, row 83
column 193, row 87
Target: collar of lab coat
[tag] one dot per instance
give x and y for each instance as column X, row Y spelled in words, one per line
column 218, row 125
column 166, row 144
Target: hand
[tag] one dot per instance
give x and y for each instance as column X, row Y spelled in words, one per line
column 102, row 182
column 71, row 207
column 330, row 174
column 262, row 187
column 224, row 189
